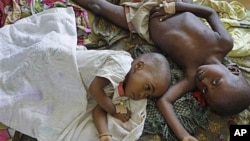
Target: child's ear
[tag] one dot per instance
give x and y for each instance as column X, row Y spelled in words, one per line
column 235, row 70
column 138, row 65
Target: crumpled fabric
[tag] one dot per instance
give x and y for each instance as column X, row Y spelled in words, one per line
column 14, row 10
column 232, row 10
column 236, row 20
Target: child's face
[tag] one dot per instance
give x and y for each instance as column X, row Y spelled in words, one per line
column 216, row 82
column 141, row 84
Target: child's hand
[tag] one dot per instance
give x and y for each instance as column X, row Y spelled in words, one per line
column 105, row 138
column 163, row 12
column 123, row 117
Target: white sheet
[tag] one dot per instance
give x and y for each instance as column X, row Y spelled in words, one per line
column 41, row 94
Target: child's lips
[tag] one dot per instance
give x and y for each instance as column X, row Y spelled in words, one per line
column 203, row 89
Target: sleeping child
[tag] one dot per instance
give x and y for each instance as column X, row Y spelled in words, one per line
column 51, row 89
column 176, row 28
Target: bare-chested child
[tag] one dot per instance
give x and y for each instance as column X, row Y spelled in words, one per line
column 176, row 28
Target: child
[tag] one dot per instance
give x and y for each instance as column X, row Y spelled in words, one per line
column 176, row 29
column 149, row 76
column 49, row 86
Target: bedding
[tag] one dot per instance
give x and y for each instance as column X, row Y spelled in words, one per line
column 38, row 71
column 42, row 92
column 96, row 33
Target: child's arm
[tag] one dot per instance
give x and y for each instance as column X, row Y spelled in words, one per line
column 96, row 89
column 100, row 121
column 165, row 106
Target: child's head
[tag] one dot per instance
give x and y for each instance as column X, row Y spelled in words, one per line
column 225, row 89
column 149, row 76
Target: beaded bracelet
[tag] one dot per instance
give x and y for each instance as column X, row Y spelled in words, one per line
column 105, row 134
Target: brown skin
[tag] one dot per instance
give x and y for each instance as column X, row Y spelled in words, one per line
column 100, row 121
column 192, row 45
column 199, row 51
column 139, row 83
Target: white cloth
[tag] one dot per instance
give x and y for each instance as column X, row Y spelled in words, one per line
column 138, row 14
column 113, row 65
column 39, row 79
column 41, row 91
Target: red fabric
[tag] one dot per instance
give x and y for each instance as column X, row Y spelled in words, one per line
column 4, row 135
column 120, row 89
column 51, row 2
column 199, row 97
column 3, row 15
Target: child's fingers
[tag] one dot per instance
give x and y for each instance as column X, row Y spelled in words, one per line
column 157, row 11
column 163, row 18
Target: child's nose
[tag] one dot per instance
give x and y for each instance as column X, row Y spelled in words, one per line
column 205, row 81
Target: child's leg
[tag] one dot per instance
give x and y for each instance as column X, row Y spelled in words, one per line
column 113, row 13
